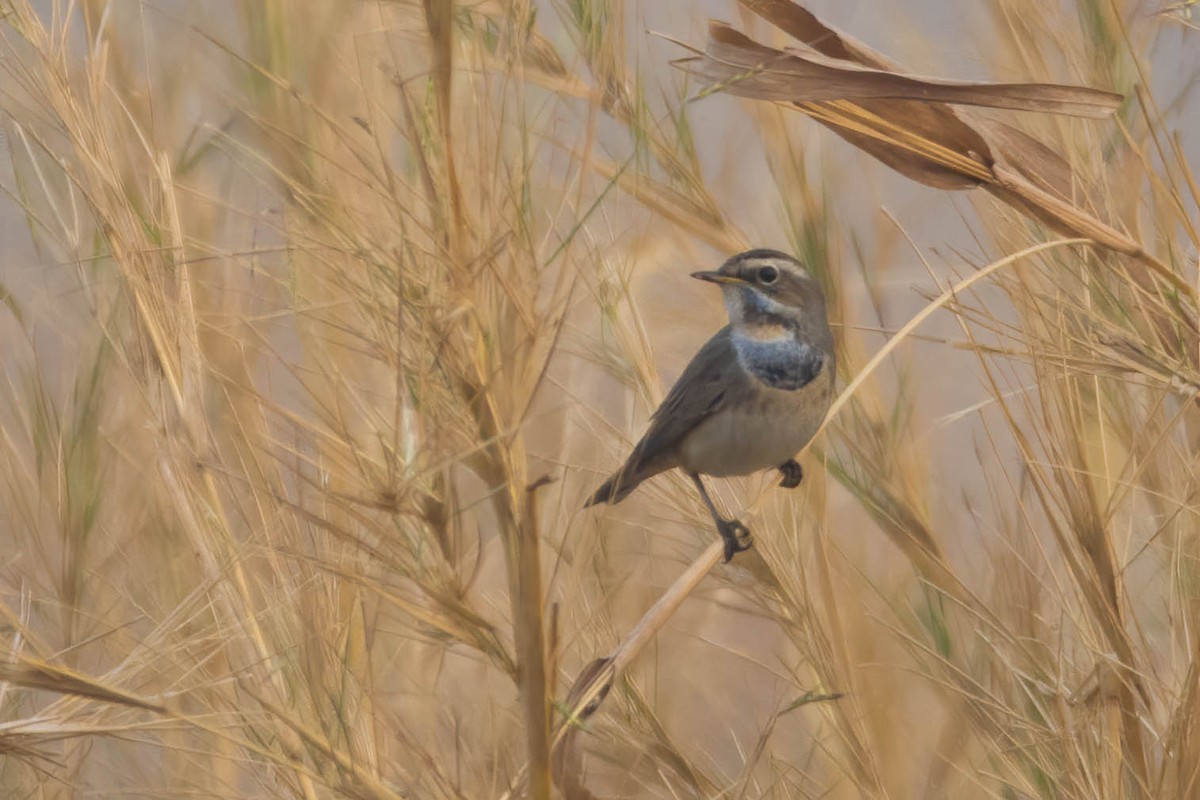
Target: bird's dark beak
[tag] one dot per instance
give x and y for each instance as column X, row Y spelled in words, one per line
column 719, row 277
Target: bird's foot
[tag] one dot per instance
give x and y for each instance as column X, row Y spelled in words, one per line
column 735, row 535
column 792, row 472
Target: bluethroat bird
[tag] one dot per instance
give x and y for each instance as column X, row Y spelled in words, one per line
column 754, row 395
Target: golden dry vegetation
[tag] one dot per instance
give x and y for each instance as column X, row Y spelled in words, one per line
column 321, row 320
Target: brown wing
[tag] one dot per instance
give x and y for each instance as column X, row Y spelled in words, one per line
column 702, row 389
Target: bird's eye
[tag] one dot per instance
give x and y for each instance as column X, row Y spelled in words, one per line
column 768, row 275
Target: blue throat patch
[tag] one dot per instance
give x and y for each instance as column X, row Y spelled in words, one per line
column 782, row 363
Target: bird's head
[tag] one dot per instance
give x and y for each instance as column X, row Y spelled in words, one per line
column 768, row 288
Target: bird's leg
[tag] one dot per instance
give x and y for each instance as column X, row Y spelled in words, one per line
column 793, row 473
column 735, row 535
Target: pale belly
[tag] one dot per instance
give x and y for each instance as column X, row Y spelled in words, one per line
column 758, row 435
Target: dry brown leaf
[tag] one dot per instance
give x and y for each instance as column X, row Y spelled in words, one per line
column 803, row 73
column 912, row 123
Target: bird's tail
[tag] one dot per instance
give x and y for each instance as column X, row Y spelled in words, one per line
column 615, row 489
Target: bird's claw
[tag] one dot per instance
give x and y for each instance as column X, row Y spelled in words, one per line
column 736, row 537
column 792, row 472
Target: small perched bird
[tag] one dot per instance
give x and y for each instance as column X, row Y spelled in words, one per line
column 754, row 395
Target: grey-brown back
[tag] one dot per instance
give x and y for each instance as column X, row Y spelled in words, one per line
column 712, row 379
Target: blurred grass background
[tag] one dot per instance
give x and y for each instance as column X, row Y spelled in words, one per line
column 299, row 299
